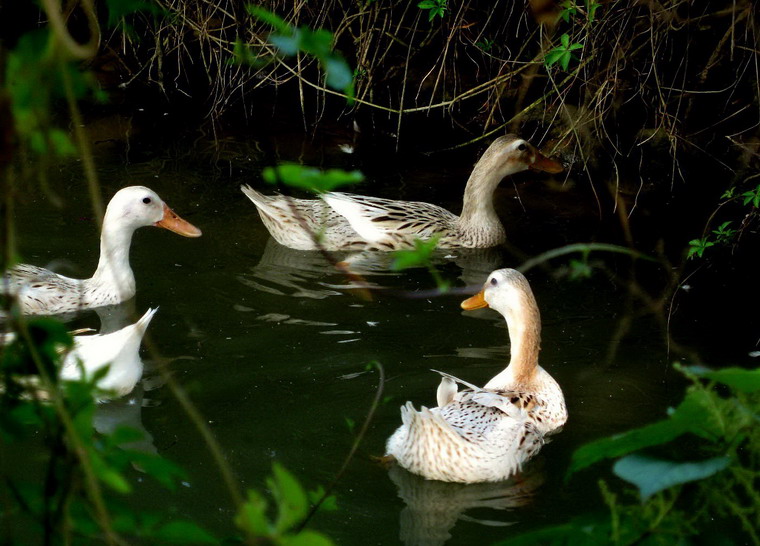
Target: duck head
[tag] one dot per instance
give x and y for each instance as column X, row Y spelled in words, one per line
column 137, row 206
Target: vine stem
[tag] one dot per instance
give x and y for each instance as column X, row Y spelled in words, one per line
column 357, row 441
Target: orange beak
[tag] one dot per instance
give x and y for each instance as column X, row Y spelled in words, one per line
column 543, row 163
column 477, row 301
column 174, row 223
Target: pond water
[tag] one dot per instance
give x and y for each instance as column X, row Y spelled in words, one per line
column 272, row 344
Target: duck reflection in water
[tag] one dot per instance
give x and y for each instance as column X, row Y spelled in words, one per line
column 307, row 274
column 434, row 507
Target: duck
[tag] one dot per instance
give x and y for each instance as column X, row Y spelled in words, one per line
column 118, row 350
column 344, row 221
column 40, row 291
column 486, row 434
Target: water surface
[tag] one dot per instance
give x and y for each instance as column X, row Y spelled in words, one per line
column 272, row 346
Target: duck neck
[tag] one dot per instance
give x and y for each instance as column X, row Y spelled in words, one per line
column 477, row 208
column 114, row 272
column 525, row 338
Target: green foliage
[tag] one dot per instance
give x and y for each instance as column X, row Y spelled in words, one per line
column 697, row 247
column 291, row 41
column 486, row 44
column 569, row 9
column 723, row 233
column 718, row 463
column 591, row 7
column 292, row 504
column 436, row 8
column 91, row 469
column 310, row 178
column 563, row 53
column 752, row 196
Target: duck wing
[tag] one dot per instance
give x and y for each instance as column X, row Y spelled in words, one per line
column 41, row 291
column 386, row 220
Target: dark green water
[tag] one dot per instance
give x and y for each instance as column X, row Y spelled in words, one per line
column 272, row 346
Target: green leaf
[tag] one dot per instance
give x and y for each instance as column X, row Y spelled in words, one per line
column 108, row 475
column 310, row 178
column 184, row 532
column 653, row 475
column 270, row 18
column 292, row 503
column 337, row 71
column 752, row 196
column 737, row 378
column 418, row 257
column 288, row 45
column 553, row 56
column 252, row 515
column 691, row 416
column 426, row 4
column 329, row 504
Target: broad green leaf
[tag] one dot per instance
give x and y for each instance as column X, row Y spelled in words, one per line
column 653, row 475
column 310, row 178
column 252, row 515
column 292, row 503
column 553, row 56
column 184, row 532
column 692, row 415
column 737, row 378
column 622, row 444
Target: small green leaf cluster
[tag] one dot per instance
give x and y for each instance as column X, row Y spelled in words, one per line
column 695, row 466
column 562, row 54
column 291, row 41
column 436, row 8
column 292, row 504
column 724, row 234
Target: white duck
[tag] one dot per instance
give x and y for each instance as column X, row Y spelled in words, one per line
column 486, row 434
column 344, row 221
column 43, row 292
column 119, row 350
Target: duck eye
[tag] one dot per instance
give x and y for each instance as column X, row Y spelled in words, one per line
column 494, row 282
column 146, row 200
column 522, row 147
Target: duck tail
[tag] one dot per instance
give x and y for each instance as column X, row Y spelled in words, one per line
column 259, row 199
column 141, row 326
